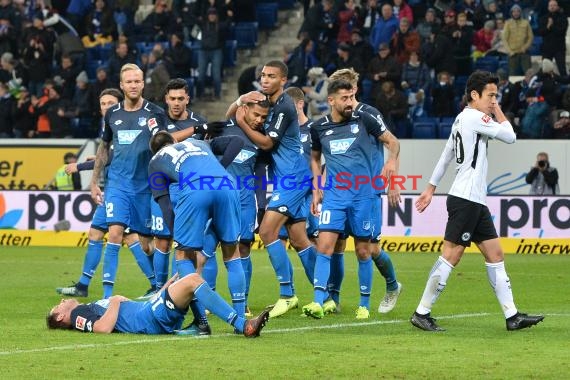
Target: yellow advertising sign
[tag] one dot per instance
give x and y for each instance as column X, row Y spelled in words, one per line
column 30, row 167
column 35, row 238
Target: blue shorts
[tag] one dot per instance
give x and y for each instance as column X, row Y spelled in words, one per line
column 194, row 209
column 290, row 203
column 247, row 226
column 352, row 218
column 99, row 221
column 312, row 221
column 158, row 229
column 129, row 210
column 376, row 219
column 156, row 316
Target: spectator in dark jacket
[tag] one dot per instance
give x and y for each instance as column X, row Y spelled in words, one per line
column 552, row 27
column 383, row 68
column 24, row 122
column 6, row 104
column 178, row 57
column 438, row 53
column 443, row 96
column 122, row 55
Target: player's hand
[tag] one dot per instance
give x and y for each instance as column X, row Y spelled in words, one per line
column 315, row 203
column 71, row 168
column 389, row 170
column 96, row 194
column 240, row 118
column 424, row 200
column 394, row 197
column 212, row 129
column 252, row 97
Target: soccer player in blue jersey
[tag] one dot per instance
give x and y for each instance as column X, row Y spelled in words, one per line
column 107, row 98
column 242, row 169
column 128, row 126
column 344, row 139
column 291, row 179
column 162, row 314
column 182, row 123
column 381, row 259
column 188, row 181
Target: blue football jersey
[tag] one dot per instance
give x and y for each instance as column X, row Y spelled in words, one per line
column 187, row 166
column 244, row 164
column 305, row 134
column 193, row 120
column 378, row 153
column 348, row 150
column 130, row 133
column 282, row 126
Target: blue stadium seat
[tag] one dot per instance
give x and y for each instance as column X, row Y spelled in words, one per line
column 246, row 35
column 106, row 51
column 424, row 130
column 190, row 82
column 444, row 129
column 230, row 53
column 91, row 68
column 487, row 63
column 535, row 48
column 366, row 91
column 287, row 4
column 266, row 15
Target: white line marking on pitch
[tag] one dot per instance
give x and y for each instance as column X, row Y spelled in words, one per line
column 265, row 332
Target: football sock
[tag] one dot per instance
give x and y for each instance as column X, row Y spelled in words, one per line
column 336, row 276
column 210, row 270
column 198, row 311
column 322, row 273
column 213, row 302
column 143, row 262
column 90, row 262
column 501, row 284
column 247, row 270
column 365, row 281
column 308, row 257
column 236, row 285
column 161, row 260
column 184, row 267
column 110, row 264
column 282, row 267
column 435, row 284
column 386, row 269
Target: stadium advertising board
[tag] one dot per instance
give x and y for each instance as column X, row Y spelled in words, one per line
column 31, row 165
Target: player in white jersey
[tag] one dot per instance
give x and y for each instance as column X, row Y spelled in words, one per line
column 468, row 216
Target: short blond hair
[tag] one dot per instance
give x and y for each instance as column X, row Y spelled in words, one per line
column 129, row 67
column 349, row 75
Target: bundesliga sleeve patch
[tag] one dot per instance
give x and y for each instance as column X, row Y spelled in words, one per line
column 152, row 123
column 80, row 323
column 486, row 119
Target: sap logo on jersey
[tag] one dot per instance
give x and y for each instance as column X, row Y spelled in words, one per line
column 128, row 136
column 243, row 156
column 341, row 146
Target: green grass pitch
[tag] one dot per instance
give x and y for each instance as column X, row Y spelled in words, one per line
column 475, row 345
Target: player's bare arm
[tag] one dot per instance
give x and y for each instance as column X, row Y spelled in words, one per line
column 100, row 161
column 107, row 323
column 262, row 141
column 392, row 165
column 250, row 97
column 316, row 170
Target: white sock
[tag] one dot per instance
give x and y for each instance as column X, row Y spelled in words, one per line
column 435, row 285
column 501, row 284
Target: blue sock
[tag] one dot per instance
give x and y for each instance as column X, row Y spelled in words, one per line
column 322, row 273
column 110, row 265
column 210, row 271
column 308, row 258
column 384, row 265
column 247, row 270
column 336, row 276
column 365, row 281
column 184, row 267
column 160, row 264
column 282, row 267
column 236, row 285
column 143, row 262
column 213, row 302
column 91, row 260
column 199, row 311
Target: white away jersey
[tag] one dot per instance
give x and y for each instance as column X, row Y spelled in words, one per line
column 467, row 146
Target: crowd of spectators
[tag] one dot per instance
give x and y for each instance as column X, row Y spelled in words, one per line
column 413, row 56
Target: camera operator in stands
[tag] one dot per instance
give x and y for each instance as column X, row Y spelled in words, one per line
column 542, row 178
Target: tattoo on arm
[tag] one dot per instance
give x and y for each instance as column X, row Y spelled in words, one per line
column 100, row 160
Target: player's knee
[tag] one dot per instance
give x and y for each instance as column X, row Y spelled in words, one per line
column 267, row 233
column 95, row 235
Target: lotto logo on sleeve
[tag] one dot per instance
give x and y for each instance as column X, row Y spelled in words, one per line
column 341, row 146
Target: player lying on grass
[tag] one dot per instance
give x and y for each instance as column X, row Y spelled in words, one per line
column 162, row 314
